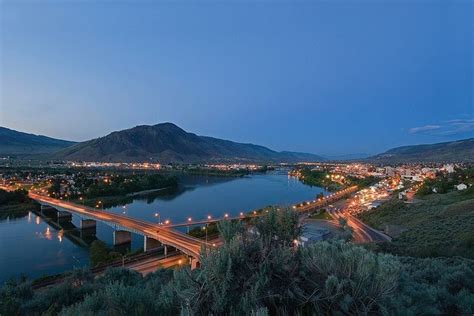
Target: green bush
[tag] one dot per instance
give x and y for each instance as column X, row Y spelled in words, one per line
column 259, row 272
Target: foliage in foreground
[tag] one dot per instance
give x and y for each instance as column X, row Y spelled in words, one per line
column 262, row 272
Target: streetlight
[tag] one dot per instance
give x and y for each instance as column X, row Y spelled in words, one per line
column 205, row 229
column 159, row 218
column 189, row 221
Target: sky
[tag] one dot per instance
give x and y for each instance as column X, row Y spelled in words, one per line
column 326, row 77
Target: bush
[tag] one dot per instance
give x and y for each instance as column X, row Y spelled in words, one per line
column 260, row 271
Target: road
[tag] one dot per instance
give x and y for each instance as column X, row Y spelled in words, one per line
column 361, row 232
column 151, row 265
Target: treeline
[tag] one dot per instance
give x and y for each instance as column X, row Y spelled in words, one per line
column 13, row 197
column 445, row 182
column 123, row 185
column 362, row 182
column 319, row 179
column 259, row 273
column 322, row 179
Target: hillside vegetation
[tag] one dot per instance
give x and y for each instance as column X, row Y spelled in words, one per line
column 435, row 225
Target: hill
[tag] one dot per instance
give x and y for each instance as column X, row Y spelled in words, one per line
column 433, row 226
column 455, row 151
column 18, row 143
column 167, row 143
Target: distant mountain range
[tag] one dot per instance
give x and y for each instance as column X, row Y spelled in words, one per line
column 355, row 156
column 455, row 151
column 166, row 143
column 18, row 143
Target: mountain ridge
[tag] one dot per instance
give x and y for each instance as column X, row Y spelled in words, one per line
column 14, row 142
column 166, row 142
column 453, row 151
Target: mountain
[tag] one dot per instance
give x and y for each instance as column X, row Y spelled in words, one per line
column 167, row 143
column 356, row 156
column 18, row 143
column 455, row 151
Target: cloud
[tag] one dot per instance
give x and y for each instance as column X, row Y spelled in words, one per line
column 422, row 129
column 448, row 128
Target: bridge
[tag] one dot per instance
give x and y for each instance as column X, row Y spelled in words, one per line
column 154, row 235
column 324, row 201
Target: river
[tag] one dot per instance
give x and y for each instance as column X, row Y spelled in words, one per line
column 34, row 246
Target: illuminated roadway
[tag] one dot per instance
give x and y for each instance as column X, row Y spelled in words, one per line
column 361, row 232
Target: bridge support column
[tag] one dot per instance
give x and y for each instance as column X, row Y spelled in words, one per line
column 122, row 237
column 150, row 244
column 64, row 216
column 88, row 223
column 47, row 210
column 88, row 228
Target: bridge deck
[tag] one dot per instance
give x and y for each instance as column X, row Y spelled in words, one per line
column 187, row 244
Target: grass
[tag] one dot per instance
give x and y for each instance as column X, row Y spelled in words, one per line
column 437, row 225
column 321, row 215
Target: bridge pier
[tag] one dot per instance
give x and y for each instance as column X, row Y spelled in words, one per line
column 88, row 223
column 47, row 210
column 150, row 244
column 122, row 237
column 64, row 216
column 87, row 228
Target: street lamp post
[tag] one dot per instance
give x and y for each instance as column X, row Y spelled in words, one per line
column 159, row 218
column 189, row 221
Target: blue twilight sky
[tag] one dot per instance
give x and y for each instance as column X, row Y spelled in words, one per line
column 327, row 77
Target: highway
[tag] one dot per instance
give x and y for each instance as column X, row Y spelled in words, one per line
column 362, row 233
column 152, row 264
column 187, row 244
